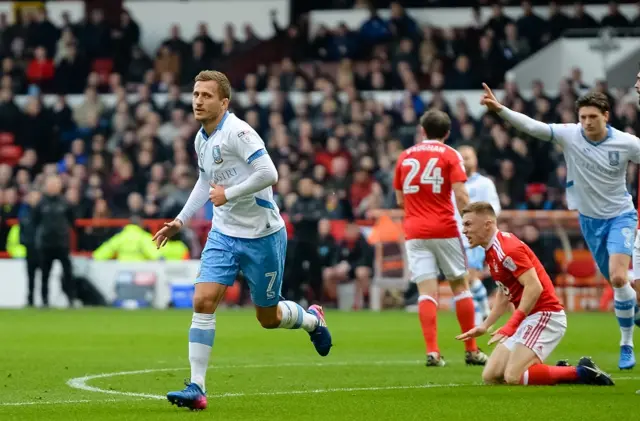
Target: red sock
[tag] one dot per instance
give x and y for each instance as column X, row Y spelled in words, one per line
column 546, row 375
column 428, row 313
column 466, row 312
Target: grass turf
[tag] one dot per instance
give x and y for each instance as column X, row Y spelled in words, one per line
column 375, row 370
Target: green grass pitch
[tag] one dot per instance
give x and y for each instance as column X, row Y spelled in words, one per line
column 374, row 372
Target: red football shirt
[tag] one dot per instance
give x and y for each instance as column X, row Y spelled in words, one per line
column 508, row 258
column 425, row 173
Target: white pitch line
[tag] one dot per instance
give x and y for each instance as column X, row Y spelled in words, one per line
column 81, row 383
column 63, row 402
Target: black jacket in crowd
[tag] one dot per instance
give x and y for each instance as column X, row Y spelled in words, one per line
column 53, row 219
column 27, row 229
column 357, row 253
column 305, row 214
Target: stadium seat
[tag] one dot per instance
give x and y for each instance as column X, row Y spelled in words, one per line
column 7, row 138
column 390, row 269
column 10, row 154
column 582, row 282
column 103, row 67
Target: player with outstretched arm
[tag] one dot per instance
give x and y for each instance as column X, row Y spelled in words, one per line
column 597, row 157
column 247, row 233
column 480, row 189
column 426, row 176
column 539, row 321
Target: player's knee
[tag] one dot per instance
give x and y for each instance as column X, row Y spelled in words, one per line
column 458, row 286
column 618, row 280
column 490, row 376
column 363, row 273
column 206, row 297
column 203, row 304
column 268, row 321
column 512, row 376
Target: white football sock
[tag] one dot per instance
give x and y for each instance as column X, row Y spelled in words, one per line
column 294, row 317
column 201, row 336
column 624, row 306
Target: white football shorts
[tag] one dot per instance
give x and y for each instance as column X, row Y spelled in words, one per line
column 427, row 257
column 540, row 332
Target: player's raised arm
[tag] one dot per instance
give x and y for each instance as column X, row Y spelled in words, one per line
column 520, row 121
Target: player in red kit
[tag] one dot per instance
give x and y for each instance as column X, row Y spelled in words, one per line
column 538, row 323
column 425, row 176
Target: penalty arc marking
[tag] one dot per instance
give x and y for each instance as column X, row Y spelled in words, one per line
column 81, row 382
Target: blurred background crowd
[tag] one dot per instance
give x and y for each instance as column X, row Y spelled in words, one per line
column 334, row 152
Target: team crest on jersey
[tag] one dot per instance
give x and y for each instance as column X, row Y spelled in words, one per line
column 217, row 155
column 509, row 264
column 614, row 158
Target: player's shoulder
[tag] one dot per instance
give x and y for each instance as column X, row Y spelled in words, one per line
column 566, row 129
column 508, row 242
column 198, row 138
column 239, row 130
column 627, row 138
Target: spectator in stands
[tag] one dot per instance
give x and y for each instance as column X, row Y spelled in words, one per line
column 97, row 36
column 53, row 219
column 124, row 37
column 531, row 26
column 543, row 247
column 614, row 18
column 354, row 263
column 167, row 61
column 582, row 19
column 28, row 239
column 40, row 71
column 305, row 214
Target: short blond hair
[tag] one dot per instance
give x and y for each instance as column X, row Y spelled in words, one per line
column 224, row 86
column 480, row 208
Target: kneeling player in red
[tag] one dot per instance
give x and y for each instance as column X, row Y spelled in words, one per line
column 538, row 323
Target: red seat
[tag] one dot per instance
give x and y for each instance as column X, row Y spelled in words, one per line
column 10, row 154
column 103, row 67
column 6, row 138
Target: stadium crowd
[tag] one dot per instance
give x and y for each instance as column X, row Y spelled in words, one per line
column 136, row 157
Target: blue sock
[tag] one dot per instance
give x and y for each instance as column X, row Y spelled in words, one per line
column 624, row 305
column 201, row 336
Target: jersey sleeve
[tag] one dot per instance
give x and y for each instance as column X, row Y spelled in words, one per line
column 634, row 155
column 457, row 173
column 563, row 133
column 516, row 260
column 197, row 144
column 248, row 144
